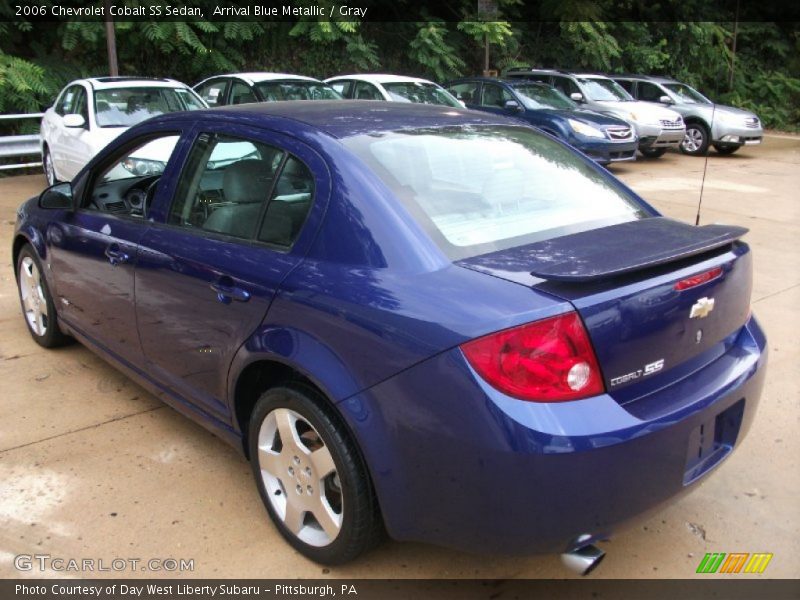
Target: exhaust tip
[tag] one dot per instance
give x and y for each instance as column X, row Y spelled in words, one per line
column 583, row 560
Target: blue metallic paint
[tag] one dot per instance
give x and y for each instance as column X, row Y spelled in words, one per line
column 368, row 308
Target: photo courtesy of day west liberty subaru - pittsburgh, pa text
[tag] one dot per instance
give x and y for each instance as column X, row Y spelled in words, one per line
column 120, row 10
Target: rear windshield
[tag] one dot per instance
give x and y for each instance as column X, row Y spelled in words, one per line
column 421, row 93
column 477, row 189
column 124, row 107
column 273, row 91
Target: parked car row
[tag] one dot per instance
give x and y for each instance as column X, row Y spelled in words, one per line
column 607, row 119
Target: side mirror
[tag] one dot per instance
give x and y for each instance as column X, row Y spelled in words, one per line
column 666, row 100
column 512, row 105
column 73, row 120
column 58, row 196
column 576, row 96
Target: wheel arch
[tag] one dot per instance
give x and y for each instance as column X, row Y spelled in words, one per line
column 692, row 120
column 20, row 240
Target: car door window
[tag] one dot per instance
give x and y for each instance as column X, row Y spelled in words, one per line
column 80, row 105
column 626, row 84
column 225, row 185
column 495, row 95
column 565, row 85
column 126, row 185
column 367, row 91
column 214, row 92
column 344, row 87
column 649, row 92
column 466, row 92
column 241, row 93
column 67, row 99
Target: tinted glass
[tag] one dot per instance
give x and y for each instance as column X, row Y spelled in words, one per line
column 649, row 92
column 214, row 92
column 420, row 93
column 273, row 91
column 602, row 90
column 225, row 185
column 479, row 189
column 466, row 92
column 124, row 107
column 686, row 93
column 539, row 96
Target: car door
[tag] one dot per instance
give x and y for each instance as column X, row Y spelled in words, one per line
column 648, row 92
column 54, row 128
column 210, row 266
column 93, row 250
column 76, row 142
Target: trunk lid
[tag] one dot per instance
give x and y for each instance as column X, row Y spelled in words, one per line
column 623, row 280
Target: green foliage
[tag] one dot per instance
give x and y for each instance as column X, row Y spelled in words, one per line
column 763, row 75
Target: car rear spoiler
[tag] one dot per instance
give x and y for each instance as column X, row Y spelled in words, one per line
column 625, row 248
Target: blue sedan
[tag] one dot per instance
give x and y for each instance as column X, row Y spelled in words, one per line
column 434, row 322
column 604, row 138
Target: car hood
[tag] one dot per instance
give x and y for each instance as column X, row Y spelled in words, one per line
column 644, row 111
column 591, row 117
column 719, row 109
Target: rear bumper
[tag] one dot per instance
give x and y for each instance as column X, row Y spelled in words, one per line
column 458, row 464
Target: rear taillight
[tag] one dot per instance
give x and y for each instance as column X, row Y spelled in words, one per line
column 551, row 360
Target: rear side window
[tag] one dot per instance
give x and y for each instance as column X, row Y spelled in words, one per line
column 626, row 85
column 243, row 189
column 477, row 189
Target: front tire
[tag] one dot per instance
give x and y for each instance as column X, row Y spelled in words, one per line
column 725, row 150
column 696, row 140
column 311, row 476
column 37, row 303
column 652, row 152
column 49, row 167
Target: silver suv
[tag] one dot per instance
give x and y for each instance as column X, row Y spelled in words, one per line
column 658, row 128
column 725, row 127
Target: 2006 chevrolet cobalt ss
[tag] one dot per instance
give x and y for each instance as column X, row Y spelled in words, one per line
column 427, row 320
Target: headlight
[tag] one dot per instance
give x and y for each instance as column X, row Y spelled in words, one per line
column 585, row 129
column 143, row 166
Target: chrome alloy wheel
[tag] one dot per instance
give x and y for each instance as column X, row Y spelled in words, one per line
column 300, row 477
column 33, row 299
column 693, row 140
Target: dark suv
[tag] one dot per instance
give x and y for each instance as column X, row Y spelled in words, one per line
column 601, row 137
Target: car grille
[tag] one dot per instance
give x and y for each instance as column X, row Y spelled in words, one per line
column 667, row 124
column 619, row 133
column 751, row 122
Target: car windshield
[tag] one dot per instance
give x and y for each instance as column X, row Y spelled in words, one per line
column 273, row 91
column 477, row 189
column 420, row 93
column 604, row 90
column 124, row 107
column 687, row 94
column 541, row 96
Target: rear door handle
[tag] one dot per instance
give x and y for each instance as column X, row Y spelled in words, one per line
column 116, row 256
column 227, row 291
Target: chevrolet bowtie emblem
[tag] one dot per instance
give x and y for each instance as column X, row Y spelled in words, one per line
column 702, row 308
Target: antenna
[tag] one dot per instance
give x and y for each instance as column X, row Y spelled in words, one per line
column 705, row 165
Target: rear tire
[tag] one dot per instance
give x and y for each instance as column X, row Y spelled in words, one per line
column 311, row 476
column 37, row 303
column 696, row 140
column 652, row 152
column 725, row 150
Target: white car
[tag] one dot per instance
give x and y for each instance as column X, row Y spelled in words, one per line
column 89, row 113
column 392, row 88
column 244, row 88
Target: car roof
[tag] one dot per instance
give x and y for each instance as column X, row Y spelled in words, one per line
column 102, row 83
column 259, row 76
column 511, row 82
column 382, row 78
column 653, row 78
column 344, row 118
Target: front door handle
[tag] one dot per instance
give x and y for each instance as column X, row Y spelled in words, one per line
column 116, row 256
column 227, row 291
